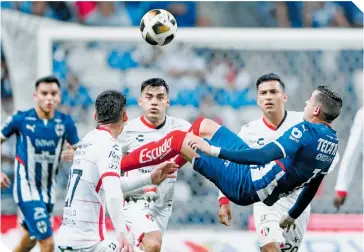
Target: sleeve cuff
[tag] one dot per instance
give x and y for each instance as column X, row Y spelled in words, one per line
column 215, row 151
column 2, row 136
column 342, row 193
column 224, row 201
column 289, row 218
column 75, row 145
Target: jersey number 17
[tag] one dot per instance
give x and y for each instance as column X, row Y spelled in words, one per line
column 72, row 184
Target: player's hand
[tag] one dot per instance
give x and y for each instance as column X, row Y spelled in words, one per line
column 202, row 145
column 225, row 214
column 5, row 181
column 163, row 171
column 287, row 222
column 339, row 201
column 68, row 153
column 124, row 244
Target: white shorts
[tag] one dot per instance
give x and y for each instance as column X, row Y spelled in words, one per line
column 267, row 226
column 141, row 218
column 103, row 246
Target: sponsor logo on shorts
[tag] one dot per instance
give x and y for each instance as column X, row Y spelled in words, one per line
column 42, row 226
column 39, row 213
column 156, row 153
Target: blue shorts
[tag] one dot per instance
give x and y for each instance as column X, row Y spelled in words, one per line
column 234, row 180
column 37, row 218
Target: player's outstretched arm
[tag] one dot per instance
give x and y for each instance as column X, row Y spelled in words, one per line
column 303, row 200
column 286, row 145
column 305, row 197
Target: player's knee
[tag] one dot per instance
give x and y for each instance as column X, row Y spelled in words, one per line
column 153, row 246
column 47, row 244
column 28, row 244
column 270, row 247
column 152, row 243
column 208, row 128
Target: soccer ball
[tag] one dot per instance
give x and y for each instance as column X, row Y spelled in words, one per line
column 158, row 27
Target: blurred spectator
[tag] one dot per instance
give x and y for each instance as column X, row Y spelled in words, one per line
column 186, row 13
column 38, row 8
column 324, row 14
column 352, row 13
column 10, row 5
column 76, row 99
column 6, row 90
column 289, row 14
column 209, row 109
column 109, row 14
column 62, row 11
column 84, row 8
column 222, row 72
column 184, row 68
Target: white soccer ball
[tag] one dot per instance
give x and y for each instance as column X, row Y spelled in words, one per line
column 158, row 27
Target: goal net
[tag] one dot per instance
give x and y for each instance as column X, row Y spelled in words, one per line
column 210, row 71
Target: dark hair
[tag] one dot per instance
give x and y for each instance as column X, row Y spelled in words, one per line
column 109, row 107
column 47, row 79
column 330, row 102
column 270, row 77
column 154, row 82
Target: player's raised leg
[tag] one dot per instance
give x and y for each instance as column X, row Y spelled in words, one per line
column 225, row 175
column 177, row 142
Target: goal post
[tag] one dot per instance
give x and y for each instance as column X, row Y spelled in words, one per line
column 219, row 38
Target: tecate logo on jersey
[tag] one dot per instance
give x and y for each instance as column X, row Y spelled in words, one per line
column 156, row 153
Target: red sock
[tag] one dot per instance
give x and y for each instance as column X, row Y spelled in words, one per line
column 155, row 152
column 195, row 129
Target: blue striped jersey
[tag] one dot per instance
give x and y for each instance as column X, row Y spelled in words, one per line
column 38, row 148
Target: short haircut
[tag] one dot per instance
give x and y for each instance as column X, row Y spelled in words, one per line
column 270, row 77
column 154, row 82
column 47, row 79
column 110, row 107
column 330, row 102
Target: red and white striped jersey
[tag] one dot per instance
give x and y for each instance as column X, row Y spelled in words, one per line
column 97, row 157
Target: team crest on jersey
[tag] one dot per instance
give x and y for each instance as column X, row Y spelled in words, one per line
column 60, row 129
column 264, row 231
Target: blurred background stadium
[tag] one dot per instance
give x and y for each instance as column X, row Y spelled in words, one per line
column 216, row 80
